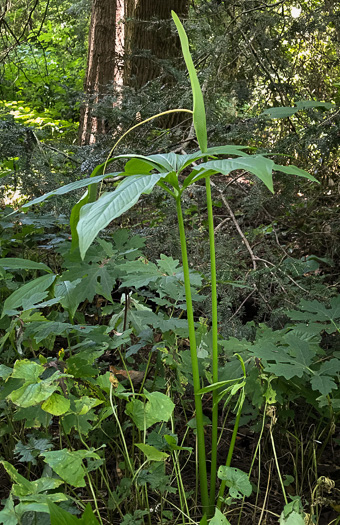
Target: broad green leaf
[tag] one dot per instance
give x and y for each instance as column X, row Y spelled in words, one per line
column 152, row 453
column 255, row 164
column 237, row 481
column 56, row 405
column 88, row 518
column 66, row 290
column 28, row 370
column 25, row 292
column 323, row 384
column 74, row 218
column 32, row 394
column 17, row 478
column 314, row 311
column 293, row 170
column 60, row 516
column 219, row 518
column 294, row 518
column 23, row 264
column 97, row 215
column 68, row 464
column 158, row 407
column 5, row 372
column 70, row 187
column 8, row 515
column 199, row 116
column 279, row 112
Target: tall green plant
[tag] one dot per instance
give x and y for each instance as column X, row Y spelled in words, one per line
column 141, row 174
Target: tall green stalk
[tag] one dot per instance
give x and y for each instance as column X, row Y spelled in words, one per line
column 194, row 363
column 214, row 355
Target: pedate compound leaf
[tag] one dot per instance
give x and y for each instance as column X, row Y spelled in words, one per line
column 237, row 481
column 219, row 518
column 152, row 453
column 68, row 464
column 199, row 116
column 23, row 264
column 95, row 216
column 25, row 293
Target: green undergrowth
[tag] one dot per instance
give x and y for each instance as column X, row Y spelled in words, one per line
column 96, row 385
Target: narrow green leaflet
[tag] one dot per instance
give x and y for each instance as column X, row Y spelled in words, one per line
column 237, row 481
column 25, row 293
column 97, row 215
column 152, row 453
column 71, row 187
column 279, row 112
column 199, row 116
column 69, row 464
column 293, row 170
column 23, row 264
column 256, row 164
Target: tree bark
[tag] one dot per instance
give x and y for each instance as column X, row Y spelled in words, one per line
column 101, row 62
column 128, row 42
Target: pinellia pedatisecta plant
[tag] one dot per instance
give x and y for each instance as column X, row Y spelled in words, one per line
column 141, row 174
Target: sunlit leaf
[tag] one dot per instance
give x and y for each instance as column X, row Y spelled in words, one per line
column 152, row 453
column 96, row 216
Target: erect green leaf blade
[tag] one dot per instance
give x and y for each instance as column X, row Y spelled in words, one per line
column 25, row 292
column 97, row 215
column 23, row 264
column 199, row 116
column 293, row 170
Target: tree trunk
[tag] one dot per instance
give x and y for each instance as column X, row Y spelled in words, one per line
column 150, row 39
column 101, row 64
column 128, row 41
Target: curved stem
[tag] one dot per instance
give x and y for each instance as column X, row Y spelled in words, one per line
column 214, row 329
column 194, row 363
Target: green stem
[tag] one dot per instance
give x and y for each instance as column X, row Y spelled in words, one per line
column 194, row 363
column 231, row 448
column 214, row 329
